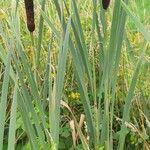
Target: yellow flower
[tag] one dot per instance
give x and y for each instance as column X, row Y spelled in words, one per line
column 74, row 95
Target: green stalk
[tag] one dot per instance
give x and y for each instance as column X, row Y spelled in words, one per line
column 33, row 54
column 94, row 93
column 12, row 125
column 55, row 104
column 116, row 68
column 40, row 35
column 3, row 99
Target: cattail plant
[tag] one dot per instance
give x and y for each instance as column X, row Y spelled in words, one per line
column 105, row 3
column 29, row 6
column 99, row 65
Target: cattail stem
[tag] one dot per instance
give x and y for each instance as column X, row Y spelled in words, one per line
column 33, row 55
column 29, row 6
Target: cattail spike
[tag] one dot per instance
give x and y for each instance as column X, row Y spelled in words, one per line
column 105, row 3
column 29, row 6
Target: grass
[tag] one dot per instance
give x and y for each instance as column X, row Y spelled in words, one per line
column 81, row 59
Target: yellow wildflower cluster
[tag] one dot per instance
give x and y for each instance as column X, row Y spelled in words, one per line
column 74, row 95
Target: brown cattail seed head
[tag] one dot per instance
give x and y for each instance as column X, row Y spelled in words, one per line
column 105, row 3
column 29, row 6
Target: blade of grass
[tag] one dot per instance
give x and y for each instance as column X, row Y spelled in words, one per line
column 3, row 57
column 47, row 83
column 80, row 41
column 27, row 69
column 137, row 22
column 55, row 105
column 121, row 31
column 29, row 105
column 129, row 97
column 40, row 34
column 27, row 97
column 94, row 93
column 79, row 71
column 3, row 100
column 27, row 123
column 12, row 124
column 108, row 68
column 50, row 24
column 128, row 101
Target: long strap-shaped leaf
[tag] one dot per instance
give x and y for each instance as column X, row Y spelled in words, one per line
column 55, row 105
column 130, row 95
column 12, row 125
column 3, row 100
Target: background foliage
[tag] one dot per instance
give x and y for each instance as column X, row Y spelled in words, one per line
column 80, row 80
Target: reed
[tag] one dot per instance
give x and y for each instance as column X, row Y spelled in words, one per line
column 79, row 46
